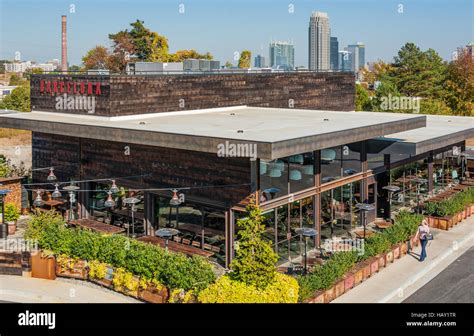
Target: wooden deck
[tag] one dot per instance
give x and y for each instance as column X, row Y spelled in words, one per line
column 96, row 226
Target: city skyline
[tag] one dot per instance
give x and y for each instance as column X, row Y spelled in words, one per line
column 417, row 23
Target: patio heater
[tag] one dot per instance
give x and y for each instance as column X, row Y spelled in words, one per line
column 391, row 190
column 364, row 208
column 174, row 202
column 132, row 201
column 166, row 234
column 72, row 198
column 306, row 233
column 419, row 181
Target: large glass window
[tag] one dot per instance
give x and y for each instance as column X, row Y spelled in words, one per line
column 340, row 161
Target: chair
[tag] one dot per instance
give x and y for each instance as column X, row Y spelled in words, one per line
column 177, row 239
column 455, row 176
column 216, row 249
column 186, row 241
column 207, row 247
column 196, row 243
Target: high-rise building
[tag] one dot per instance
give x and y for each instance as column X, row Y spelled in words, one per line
column 345, row 60
column 259, row 61
column 334, row 54
column 282, row 55
column 319, row 35
column 358, row 56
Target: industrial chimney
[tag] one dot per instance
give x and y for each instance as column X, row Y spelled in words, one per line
column 63, row 44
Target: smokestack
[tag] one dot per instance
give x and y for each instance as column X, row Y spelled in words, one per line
column 63, row 44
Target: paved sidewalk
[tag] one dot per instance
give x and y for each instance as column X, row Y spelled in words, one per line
column 405, row 276
column 32, row 290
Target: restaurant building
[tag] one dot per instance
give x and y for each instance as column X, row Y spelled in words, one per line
column 290, row 139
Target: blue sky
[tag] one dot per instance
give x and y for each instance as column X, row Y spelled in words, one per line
column 225, row 26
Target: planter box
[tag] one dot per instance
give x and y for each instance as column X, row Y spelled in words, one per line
column 365, row 270
column 43, row 267
column 374, row 265
column 358, row 275
column 107, row 280
column 381, row 260
column 403, row 248
column 472, row 209
column 348, row 281
column 317, row 298
column 11, row 228
column 431, row 221
column 388, row 257
column 76, row 269
column 330, row 294
column 153, row 295
column 396, row 252
column 339, row 288
column 445, row 222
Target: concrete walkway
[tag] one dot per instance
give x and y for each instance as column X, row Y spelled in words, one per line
column 32, row 290
column 405, row 276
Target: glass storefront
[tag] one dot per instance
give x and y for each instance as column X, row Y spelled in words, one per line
column 200, row 226
column 339, row 216
column 340, row 161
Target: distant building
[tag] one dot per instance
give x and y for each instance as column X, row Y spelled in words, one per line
column 282, row 55
column 358, row 56
column 319, row 41
column 345, row 60
column 17, row 66
column 46, row 67
column 259, row 61
column 5, row 90
column 334, row 54
column 469, row 49
column 152, row 68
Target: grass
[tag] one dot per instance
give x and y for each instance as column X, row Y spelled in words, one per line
column 12, row 137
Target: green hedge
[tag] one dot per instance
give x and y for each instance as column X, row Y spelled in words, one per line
column 451, row 206
column 323, row 277
column 174, row 270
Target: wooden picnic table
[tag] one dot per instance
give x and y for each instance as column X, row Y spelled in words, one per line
column 197, row 229
column 127, row 213
column 176, row 247
column 52, row 203
column 360, row 233
column 96, row 226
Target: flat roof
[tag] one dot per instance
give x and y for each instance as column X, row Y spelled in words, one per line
column 440, row 131
column 277, row 132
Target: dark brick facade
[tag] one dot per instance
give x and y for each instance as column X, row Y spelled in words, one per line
column 168, row 167
column 126, row 95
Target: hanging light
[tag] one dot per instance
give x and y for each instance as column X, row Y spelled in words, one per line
column 110, row 203
column 295, row 175
column 275, row 172
column 38, row 201
column 56, row 193
column 175, row 199
column 51, row 176
column 114, row 189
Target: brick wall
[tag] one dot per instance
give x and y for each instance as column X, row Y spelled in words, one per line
column 126, row 95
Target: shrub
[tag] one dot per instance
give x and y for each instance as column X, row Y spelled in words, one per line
column 284, row 289
column 11, row 213
column 173, row 270
column 323, row 277
column 451, row 206
column 254, row 262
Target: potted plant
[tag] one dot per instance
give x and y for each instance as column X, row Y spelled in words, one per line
column 11, row 217
column 43, row 265
column 125, row 282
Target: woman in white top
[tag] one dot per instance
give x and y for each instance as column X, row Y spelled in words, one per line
column 423, row 230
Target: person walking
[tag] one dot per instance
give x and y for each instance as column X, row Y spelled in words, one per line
column 422, row 232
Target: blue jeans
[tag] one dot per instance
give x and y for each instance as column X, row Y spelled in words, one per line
column 423, row 249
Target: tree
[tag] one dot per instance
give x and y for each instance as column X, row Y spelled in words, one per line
column 17, row 80
column 385, row 92
column 460, row 85
column 228, row 65
column 362, row 99
column 97, row 58
column 244, row 60
column 182, row 55
column 18, row 99
column 434, row 106
column 379, row 71
column 74, row 68
column 418, row 73
column 254, row 262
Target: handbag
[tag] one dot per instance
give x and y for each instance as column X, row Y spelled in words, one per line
column 429, row 236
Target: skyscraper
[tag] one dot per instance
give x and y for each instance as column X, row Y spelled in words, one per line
column 334, row 59
column 259, row 61
column 358, row 55
column 282, row 55
column 319, row 35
